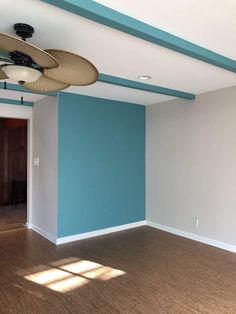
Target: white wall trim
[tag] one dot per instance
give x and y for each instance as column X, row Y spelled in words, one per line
column 193, row 236
column 42, row 232
column 23, row 112
column 86, row 235
column 96, row 233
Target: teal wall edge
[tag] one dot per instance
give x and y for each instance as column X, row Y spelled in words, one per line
column 111, row 18
column 15, row 102
column 145, row 87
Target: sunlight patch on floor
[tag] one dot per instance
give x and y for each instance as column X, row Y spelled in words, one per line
column 103, row 273
column 80, row 267
column 68, row 274
column 68, row 284
column 47, row 276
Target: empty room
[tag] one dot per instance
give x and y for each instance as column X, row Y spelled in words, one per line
column 117, row 156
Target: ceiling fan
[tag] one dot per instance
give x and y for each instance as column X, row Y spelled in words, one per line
column 41, row 70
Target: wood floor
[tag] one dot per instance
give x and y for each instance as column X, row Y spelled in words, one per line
column 12, row 217
column 142, row 270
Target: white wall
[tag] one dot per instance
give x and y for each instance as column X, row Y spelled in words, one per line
column 191, row 164
column 45, row 146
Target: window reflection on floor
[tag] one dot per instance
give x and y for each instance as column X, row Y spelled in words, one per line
column 68, row 274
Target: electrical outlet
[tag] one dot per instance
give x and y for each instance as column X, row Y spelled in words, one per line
column 195, row 222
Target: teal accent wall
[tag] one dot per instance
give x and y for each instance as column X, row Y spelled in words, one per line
column 101, row 166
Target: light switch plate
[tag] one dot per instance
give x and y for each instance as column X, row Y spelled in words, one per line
column 36, row 161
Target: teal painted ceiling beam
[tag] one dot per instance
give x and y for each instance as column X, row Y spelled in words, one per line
column 114, row 80
column 145, row 87
column 18, row 88
column 111, row 18
column 15, row 102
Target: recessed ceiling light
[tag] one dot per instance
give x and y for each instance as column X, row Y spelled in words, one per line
column 144, row 77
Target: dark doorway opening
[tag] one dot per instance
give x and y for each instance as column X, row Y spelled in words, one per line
column 13, row 174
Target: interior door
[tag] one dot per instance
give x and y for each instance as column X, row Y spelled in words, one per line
column 13, row 156
column 3, row 160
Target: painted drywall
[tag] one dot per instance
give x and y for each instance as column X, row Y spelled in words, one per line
column 45, row 176
column 191, row 164
column 101, row 179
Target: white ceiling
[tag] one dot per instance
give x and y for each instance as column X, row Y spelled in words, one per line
column 109, row 91
column 9, row 94
column 210, row 23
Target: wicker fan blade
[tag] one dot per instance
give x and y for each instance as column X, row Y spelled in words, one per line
column 72, row 69
column 3, row 76
column 42, row 58
column 44, row 84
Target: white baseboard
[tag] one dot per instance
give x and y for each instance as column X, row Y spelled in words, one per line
column 195, row 237
column 42, row 232
column 96, row 233
column 86, row 235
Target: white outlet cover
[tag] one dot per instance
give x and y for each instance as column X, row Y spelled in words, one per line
column 195, row 222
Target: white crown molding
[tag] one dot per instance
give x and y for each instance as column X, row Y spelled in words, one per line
column 193, row 236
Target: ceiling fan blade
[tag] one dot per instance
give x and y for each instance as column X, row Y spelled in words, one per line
column 3, row 75
column 45, row 84
column 42, row 58
column 73, row 69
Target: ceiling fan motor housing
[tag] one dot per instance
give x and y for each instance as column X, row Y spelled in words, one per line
column 21, row 58
column 23, row 30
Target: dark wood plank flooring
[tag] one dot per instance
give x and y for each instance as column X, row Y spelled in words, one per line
column 142, row 270
column 13, row 217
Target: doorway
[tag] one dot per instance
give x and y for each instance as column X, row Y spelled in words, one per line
column 13, row 173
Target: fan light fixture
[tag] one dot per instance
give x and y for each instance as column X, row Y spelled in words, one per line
column 40, row 70
column 20, row 73
column 144, row 77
